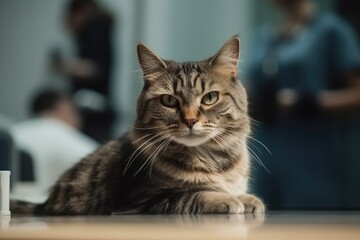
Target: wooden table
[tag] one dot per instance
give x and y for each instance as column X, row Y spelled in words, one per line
column 276, row 225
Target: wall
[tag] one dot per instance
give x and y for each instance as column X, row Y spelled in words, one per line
column 28, row 30
column 178, row 30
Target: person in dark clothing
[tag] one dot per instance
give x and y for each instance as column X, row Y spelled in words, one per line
column 90, row 73
column 303, row 86
column 91, row 27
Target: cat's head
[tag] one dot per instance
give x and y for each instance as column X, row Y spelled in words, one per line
column 192, row 102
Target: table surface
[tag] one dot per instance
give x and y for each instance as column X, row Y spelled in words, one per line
column 275, row 225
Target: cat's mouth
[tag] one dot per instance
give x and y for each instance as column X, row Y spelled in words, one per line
column 192, row 138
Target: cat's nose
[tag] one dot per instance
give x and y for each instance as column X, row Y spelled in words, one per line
column 189, row 115
column 190, row 122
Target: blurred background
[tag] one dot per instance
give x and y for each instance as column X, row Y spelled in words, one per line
column 69, row 79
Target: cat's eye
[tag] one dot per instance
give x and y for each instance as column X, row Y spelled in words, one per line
column 210, row 98
column 169, row 101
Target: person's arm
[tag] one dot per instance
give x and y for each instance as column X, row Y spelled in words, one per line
column 327, row 100
column 80, row 68
column 346, row 99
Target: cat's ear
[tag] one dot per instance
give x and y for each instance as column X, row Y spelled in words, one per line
column 151, row 64
column 225, row 62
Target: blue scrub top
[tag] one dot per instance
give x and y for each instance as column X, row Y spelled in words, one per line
column 304, row 171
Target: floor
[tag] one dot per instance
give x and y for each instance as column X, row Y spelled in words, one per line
column 275, row 225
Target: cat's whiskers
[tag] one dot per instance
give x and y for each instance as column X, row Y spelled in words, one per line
column 156, row 155
column 256, row 157
column 217, row 141
column 246, row 137
column 149, row 128
column 225, row 142
column 140, row 150
column 216, row 137
column 262, row 144
column 220, row 136
column 143, row 150
column 252, row 120
column 255, row 146
column 131, row 158
column 161, row 140
column 251, row 151
column 167, row 127
column 141, row 138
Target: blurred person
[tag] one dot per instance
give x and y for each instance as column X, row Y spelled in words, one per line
column 52, row 139
column 6, row 144
column 303, row 79
column 89, row 73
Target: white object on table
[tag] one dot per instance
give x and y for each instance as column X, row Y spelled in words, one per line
column 4, row 193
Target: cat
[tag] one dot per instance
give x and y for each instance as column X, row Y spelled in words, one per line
column 186, row 154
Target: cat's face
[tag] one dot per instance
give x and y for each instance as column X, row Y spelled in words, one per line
column 192, row 103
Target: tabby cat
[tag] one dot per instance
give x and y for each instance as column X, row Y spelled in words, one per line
column 186, row 154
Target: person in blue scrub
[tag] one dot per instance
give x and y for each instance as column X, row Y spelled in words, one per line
column 303, row 78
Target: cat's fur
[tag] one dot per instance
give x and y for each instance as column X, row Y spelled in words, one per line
column 191, row 158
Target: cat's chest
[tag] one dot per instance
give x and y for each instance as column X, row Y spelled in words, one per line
column 232, row 181
column 235, row 188
column 202, row 168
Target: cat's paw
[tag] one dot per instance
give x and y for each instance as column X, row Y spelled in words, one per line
column 252, row 204
column 213, row 202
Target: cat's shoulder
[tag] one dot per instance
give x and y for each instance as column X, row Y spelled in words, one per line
column 116, row 145
column 120, row 147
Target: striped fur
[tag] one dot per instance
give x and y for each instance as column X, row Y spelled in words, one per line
column 164, row 165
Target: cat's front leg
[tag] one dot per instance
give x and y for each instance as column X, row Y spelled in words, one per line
column 252, row 203
column 202, row 202
column 208, row 202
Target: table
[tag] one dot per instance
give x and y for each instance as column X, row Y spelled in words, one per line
column 275, row 225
